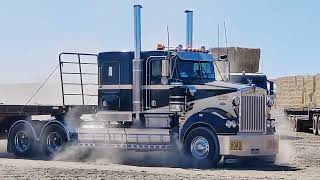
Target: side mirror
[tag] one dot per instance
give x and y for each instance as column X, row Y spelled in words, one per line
column 224, row 57
column 271, row 88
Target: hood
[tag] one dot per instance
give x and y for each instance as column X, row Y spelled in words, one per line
column 223, row 84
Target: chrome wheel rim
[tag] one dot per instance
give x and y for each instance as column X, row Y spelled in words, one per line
column 318, row 126
column 21, row 141
column 200, row 147
column 314, row 125
column 54, row 141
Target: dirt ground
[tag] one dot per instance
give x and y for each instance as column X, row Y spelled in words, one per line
column 299, row 159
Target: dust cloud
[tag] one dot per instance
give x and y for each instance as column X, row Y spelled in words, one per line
column 287, row 150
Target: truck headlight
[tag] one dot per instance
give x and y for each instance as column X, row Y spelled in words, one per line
column 236, row 101
column 231, row 123
column 271, row 124
column 270, row 102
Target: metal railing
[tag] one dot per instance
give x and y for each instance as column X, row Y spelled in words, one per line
column 78, row 64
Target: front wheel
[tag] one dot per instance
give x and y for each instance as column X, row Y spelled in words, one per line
column 53, row 139
column 202, row 146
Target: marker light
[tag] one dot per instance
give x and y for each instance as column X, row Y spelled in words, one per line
column 160, row 47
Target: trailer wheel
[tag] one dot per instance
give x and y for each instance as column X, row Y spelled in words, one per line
column 22, row 140
column 315, row 124
column 296, row 124
column 202, row 146
column 53, row 139
column 290, row 123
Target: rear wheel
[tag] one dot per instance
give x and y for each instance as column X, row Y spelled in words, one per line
column 22, row 140
column 53, row 139
column 202, row 146
column 318, row 125
column 315, row 125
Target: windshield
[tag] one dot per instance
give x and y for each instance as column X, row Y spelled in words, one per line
column 192, row 70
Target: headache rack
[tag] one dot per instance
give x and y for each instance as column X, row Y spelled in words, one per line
column 78, row 70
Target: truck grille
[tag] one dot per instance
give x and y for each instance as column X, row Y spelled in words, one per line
column 252, row 117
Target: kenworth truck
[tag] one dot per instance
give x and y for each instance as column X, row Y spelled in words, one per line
column 160, row 100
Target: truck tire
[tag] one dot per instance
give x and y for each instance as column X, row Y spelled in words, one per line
column 53, row 139
column 290, row 123
column 315, row 124
column 22, row 140
column 318, row 126
column 296, row 124
column 202, row 147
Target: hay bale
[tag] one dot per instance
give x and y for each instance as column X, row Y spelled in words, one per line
column 241, row 59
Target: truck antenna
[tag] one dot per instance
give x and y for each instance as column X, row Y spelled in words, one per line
column 218, row 53
column 226, row 37
column 218, row 41
column 168, row 39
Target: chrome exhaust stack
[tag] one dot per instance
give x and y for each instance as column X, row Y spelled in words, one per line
column 189, row 28
column 136, row 63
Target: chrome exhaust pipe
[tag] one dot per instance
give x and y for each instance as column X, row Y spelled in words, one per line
column 189, row 28
column 137, row 31
column 136, row 63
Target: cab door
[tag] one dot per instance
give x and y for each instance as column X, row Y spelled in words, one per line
column 157, row 94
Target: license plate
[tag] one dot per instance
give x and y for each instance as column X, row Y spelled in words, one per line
column 235, row 145
column 272, row 144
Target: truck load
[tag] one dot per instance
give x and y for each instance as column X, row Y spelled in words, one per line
column 299, row 98
column 160, row 100
column 240, row 60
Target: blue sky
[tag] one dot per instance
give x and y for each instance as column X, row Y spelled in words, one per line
column 34, row 32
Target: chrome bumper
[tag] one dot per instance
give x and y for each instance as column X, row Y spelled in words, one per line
column 249, row 145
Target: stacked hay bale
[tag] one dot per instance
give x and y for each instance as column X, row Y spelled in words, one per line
column 316, row 95
column 289, row 91
column 241, row 59
column 298, row 91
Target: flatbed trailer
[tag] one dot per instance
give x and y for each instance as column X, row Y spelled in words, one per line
column 9, row 114
column 302, row 119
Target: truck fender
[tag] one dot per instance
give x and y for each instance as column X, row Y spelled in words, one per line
column 19, row 122
column 65, row 129
column 216, row 122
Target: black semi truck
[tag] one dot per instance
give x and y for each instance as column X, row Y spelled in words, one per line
column 155, row 101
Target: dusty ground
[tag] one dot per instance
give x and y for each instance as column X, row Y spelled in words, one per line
column 299, row 159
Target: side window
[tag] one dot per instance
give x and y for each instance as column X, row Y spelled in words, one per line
column 110, row 73
column 156, row 71
column 196, row 70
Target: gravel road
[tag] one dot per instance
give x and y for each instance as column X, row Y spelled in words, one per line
column 299, row 159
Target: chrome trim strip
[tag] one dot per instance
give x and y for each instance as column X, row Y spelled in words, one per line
column 120, row 86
